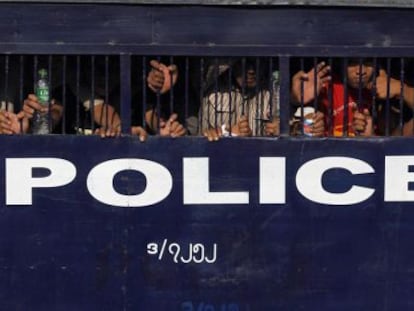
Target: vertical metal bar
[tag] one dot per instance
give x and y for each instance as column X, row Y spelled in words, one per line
column 387, row 101
column 243, row 86
column 315, row 84
column 144, row 91
column 216, row 74
column 106, row 107
column 6, row 82
column 401, row 103
column 329, row 124
column 125, row 80
column 230, row 97
column 374, row 112
column 284, row 66
column 200, row 125
column 77, row 93
column 64, row 94
column 35, row 61
column 271, row 91
column 259, row 107
column 302, row 95
column 359, row 102
column 21, row 75
column 187, row 88
column 257, row 110
column 172, row 87
column 158, row 106
column 346, row 101
column 92, row 97
column 49, row 71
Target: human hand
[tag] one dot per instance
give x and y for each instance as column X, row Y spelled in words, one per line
column 105, row 131
column 318, row 128
column 308, row 79
column 381, row 86
column 242, row 128
column 162, row 78
column 140, row 132
column 11, row 123
column 213, row 134
column 272, row 128
column 362, row 123
column 31, row 105
column 172, row 127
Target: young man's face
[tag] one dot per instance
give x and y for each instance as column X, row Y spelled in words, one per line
column 250, row 81
column 359, row 74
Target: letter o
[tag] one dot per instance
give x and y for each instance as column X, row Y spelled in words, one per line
column 100, row 182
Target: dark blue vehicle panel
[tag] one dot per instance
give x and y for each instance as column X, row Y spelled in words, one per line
column 68, row 251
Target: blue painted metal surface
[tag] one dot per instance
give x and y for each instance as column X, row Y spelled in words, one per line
column 197, row 30
column 67, row 251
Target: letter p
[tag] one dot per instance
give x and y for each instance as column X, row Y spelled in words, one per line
column 20, row 181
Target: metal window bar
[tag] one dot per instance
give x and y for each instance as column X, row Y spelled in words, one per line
column 63, row 94
column 401, row 101
column 200, row 124
column 125, row 93
column 388, row 122
column 284, row 68
column 144, row 92
column 329, row 119
column 92, row 95
column 257, row 101
column 50, row 76
column 171, row 91
column 374, row 112
column 186, row 88
column 345, row 130
column 77, row 95
column 387, row 100
column 21, row 95
column 230, row 74
column 302, row 94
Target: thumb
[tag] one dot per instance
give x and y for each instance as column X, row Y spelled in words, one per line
column 20, row 115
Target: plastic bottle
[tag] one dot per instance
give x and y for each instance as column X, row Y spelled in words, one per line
column 40, row 124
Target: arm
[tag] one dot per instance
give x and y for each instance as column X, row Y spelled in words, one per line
column 308, row 80
column 395, row 89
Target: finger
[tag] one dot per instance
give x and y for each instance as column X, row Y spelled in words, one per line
column 155, row 64
column 173, row 117
column 172, row 68
column 319, row 66
column 382, row 73
column 318, row 116
column 179, row 130
column 142, row 135
column 366, row 112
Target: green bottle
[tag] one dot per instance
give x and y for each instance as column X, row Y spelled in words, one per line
column 40, row 123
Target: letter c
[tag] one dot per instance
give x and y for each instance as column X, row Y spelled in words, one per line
column 309, row 181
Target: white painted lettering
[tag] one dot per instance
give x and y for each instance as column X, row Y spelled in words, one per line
column 309, row 181
column 20, row 182
column 196, row 185
column 158, row 182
